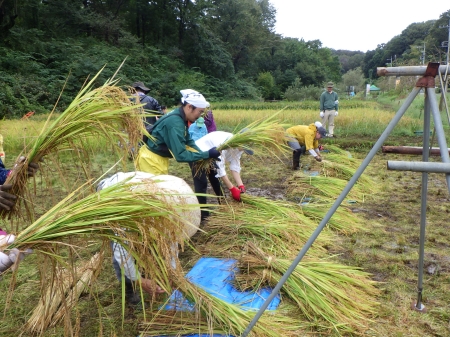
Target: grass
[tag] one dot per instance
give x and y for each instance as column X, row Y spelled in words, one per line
column 386, row 247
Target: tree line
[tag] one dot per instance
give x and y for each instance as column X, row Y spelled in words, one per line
column 227, row 49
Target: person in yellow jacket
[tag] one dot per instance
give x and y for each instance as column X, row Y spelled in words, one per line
column 302, row 138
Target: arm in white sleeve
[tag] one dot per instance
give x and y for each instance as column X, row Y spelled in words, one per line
column 125, row 260
column 221, row 167
column 233, row 156
column 313, row 153
column 5, row 261
column 317, row 151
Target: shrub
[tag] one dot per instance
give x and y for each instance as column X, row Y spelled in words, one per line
column 298, row 93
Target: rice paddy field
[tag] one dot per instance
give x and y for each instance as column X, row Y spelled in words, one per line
column 359, row 277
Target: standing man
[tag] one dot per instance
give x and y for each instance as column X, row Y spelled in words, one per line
column 151, row 106
column 329, row 107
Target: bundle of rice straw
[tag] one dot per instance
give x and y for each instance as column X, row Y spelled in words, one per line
column 60, row 296
column 335, row 297
column 267, row 134
column 101, row 112
column 146, row 225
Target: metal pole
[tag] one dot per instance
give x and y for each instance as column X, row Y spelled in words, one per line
column 443, row 100
column 334, row 207
column 415, row 166
column 423, row 204
column 440, row 133
column 448, row 40
column 406, row 71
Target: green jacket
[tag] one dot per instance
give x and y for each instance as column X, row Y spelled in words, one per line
column 171, row 138
column 327, row 101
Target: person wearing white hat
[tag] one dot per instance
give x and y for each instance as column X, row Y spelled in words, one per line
column 171, row 139
column 302, row 138
column 232, row 156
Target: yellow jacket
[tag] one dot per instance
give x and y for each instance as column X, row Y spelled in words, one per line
column 305, row 135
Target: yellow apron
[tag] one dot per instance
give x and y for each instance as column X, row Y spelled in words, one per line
column 150, row 162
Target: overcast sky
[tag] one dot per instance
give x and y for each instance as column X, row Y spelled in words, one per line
column 352, row 25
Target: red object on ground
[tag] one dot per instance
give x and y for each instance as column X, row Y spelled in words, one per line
column 28, row 115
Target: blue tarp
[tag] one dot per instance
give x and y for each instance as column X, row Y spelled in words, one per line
column 215, row 276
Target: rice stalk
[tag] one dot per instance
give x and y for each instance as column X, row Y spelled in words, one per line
column 227, row 233
column 343, row 220
column 265, row 135
column 95, row 112
column 146, row 225
column 55, row 303
column 342, row 171
column 341, row 296
column 321, row 188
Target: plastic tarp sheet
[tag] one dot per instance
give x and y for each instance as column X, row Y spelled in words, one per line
column 215, row 276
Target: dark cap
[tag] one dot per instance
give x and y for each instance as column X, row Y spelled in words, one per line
column 330, row 85
column 141, row 86
column 323, row 132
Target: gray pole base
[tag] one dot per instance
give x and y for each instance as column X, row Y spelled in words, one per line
column 422, row 307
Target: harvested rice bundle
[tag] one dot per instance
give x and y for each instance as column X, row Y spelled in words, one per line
column 146, row 215
column 63, row 294
column 101, row 112
column 278, row 227
column 343, row 157
column 266, row 134
column 320, row 189
column 136, row 218
column 343, row 220
column 342, row 297
column 335, row 169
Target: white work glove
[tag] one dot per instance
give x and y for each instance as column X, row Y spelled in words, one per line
column 336, row 102
column 8, row 260
column 321, row 114
column 336, row 113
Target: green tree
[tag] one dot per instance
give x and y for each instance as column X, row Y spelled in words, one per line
column 243, row 26
column 354, row 77
column 266, row 84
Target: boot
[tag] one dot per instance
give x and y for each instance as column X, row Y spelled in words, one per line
column 132, row 296
column 296, row 159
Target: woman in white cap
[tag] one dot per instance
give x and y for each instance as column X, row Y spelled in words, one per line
column 232, row 156
column 302, row 138
column 171, row 138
